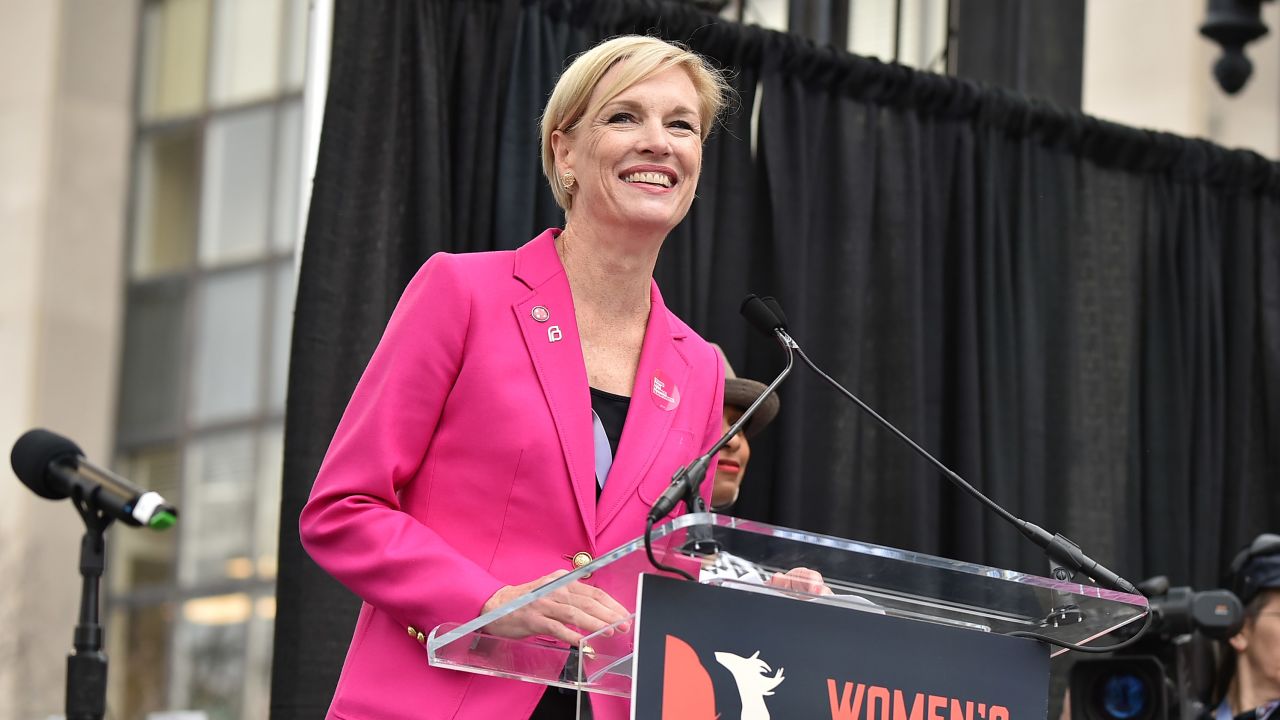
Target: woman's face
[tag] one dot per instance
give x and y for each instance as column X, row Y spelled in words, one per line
column 731, row 464
column 637, row 159
column 1258, row 643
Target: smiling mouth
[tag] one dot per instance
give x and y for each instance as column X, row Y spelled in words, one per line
column 650, row 178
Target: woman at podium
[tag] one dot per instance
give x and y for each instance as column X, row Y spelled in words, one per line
column 523, row 409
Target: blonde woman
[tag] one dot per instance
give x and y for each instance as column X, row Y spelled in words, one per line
column 523, row 409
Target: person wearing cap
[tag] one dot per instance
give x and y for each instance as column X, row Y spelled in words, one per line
column 731, row 466
column 1252, row 675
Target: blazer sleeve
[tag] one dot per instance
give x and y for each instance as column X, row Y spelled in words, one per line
column 353, row 524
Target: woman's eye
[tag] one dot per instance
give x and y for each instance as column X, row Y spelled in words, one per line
column 621, row 117
column 683, row 125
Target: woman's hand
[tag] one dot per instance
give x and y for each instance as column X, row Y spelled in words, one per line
column 561, row 614
column 801, row 580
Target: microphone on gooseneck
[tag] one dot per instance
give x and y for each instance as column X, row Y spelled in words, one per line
column 764, row 318
column 779, row 317
column 772, row 321
column 685, row 483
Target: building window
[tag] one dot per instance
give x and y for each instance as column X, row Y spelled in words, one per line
column 217, row 161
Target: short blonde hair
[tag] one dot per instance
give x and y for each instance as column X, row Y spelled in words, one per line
column 645, row 56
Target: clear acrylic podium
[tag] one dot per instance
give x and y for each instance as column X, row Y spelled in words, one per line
column 864, row 577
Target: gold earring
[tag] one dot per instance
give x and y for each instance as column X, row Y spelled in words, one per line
column 568, row 180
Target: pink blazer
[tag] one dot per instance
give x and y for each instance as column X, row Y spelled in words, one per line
column 464, row 462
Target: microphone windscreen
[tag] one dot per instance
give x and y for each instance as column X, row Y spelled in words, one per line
column 34, row 452
column 759, row 315
column 777, row 310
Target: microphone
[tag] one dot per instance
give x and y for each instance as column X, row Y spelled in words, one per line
column 772, row 303
column 54, row 467
column 685, row 483
column 764, row 317
column 1057, row 546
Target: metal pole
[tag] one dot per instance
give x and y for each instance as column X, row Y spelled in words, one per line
column 87, row 664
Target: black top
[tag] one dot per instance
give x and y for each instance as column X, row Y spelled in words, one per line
column 556, row 702
column 612, row 410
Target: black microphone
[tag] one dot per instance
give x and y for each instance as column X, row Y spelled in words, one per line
column 54, row 467
column 764, row 318
column 771, row 303
column 1058, row 547
column 686, row 481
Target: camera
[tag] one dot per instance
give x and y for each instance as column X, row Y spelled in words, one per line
column 1167, row 673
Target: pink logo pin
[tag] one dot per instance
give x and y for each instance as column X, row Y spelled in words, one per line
column 665, row 393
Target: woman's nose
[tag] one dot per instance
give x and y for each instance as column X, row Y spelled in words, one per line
column 734, row 442
column 653, row 138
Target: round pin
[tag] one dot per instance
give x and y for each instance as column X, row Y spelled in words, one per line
column 540, row 313
column 665, row 394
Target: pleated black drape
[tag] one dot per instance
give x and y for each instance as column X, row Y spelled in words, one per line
column 1074, row 315
column 405, row 170
column 1081, row 318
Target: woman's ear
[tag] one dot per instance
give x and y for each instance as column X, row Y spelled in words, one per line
column 1240, row 641
column 561, row 150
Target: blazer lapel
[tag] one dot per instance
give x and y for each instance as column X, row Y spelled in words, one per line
column 650, row 415
column 546, row 320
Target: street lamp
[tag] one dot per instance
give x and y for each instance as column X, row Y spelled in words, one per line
column 1233, row 24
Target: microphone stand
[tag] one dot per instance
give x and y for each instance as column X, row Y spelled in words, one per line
column 1061, row 550
column 1057, row 546
column 87, row 665
column 686, row 481
column 697, row 470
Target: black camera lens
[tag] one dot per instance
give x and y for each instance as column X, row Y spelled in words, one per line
column 1166, row 675
column 1124, row 696
column 1129, row 687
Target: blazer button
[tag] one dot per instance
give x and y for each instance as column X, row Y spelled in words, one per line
column 413, row 632
column 422, row 639
column 580, row 559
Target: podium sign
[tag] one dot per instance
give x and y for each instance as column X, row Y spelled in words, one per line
column 704, row 651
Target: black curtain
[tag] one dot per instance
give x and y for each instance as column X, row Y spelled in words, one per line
column 1082, row 319
column 1073, row 315
column 406, row 169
